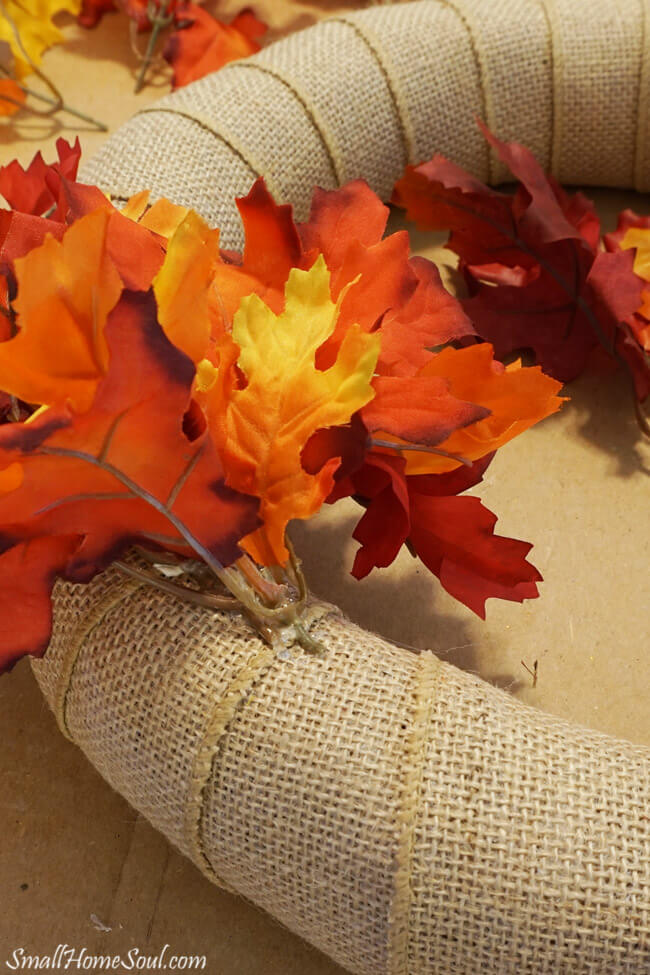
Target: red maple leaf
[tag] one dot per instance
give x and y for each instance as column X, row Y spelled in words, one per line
column 556, row 292
column 33, row 190
column 453, row 536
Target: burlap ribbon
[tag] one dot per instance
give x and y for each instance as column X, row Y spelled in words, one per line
column 399, row 814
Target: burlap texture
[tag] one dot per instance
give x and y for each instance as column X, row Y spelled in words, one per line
column 399, row 814
column 365, row 93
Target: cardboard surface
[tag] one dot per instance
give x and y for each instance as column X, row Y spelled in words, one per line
column 75, row 858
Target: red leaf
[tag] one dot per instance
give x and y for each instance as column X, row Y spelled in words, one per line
column 556, row 293
column 385, row 526
column 92, row 11
column 29, row 571
column 455, row 539
column 27, row 190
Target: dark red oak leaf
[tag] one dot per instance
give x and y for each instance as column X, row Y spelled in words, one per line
column 556, row 292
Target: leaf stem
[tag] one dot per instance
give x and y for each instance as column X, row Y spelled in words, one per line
column 57, row 102
column 421, row 449
column 197, row 597
column 158, row 22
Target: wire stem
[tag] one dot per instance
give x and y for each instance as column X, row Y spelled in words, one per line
column 159, row 22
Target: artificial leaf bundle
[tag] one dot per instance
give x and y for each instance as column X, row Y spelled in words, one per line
column 197, row 43
column 160, row 392
column 537, row 273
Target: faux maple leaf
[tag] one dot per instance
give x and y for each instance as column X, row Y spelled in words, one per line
column 33, row 22
column 633, row 231
column 74, row 284
column 124, row 471
column 453, row 536
column 28, row 191
column 286, row 399
column 305, row 369
column 556, row 292
column 201, row 44
column 386, row 288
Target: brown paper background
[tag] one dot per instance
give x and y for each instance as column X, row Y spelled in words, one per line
column 73, row 853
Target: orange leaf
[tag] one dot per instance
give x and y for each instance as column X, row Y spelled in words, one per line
column 516, row 397
column 203, row 44
column 125, row 471
column 12, row 97
column 182, row 286
column 65, row 292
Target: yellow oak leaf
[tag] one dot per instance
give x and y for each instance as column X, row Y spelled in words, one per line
column 27, row 27
column 183, row 284
column 267, row 423
column 66, row 290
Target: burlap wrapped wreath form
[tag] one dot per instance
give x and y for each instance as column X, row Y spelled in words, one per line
column 352, row 794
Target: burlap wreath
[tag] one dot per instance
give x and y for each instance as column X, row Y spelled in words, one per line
column 352, row 795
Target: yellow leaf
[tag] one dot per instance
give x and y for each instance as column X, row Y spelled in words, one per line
column 182, row 286
column 65, row 292
column 639, row 237
column 32, row 21
column 287, row 399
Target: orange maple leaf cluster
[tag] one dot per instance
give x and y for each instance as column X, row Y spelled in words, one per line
column 160, row 391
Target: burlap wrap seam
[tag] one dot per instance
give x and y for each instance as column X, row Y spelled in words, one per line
column 391, row 78
column 231, row 702
column 320, row 126
column 642, row 147
column 112, row 598
column 392, row 85
column 227, row 138
column 487, row 112
column 427, row 678
column 557, row 74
